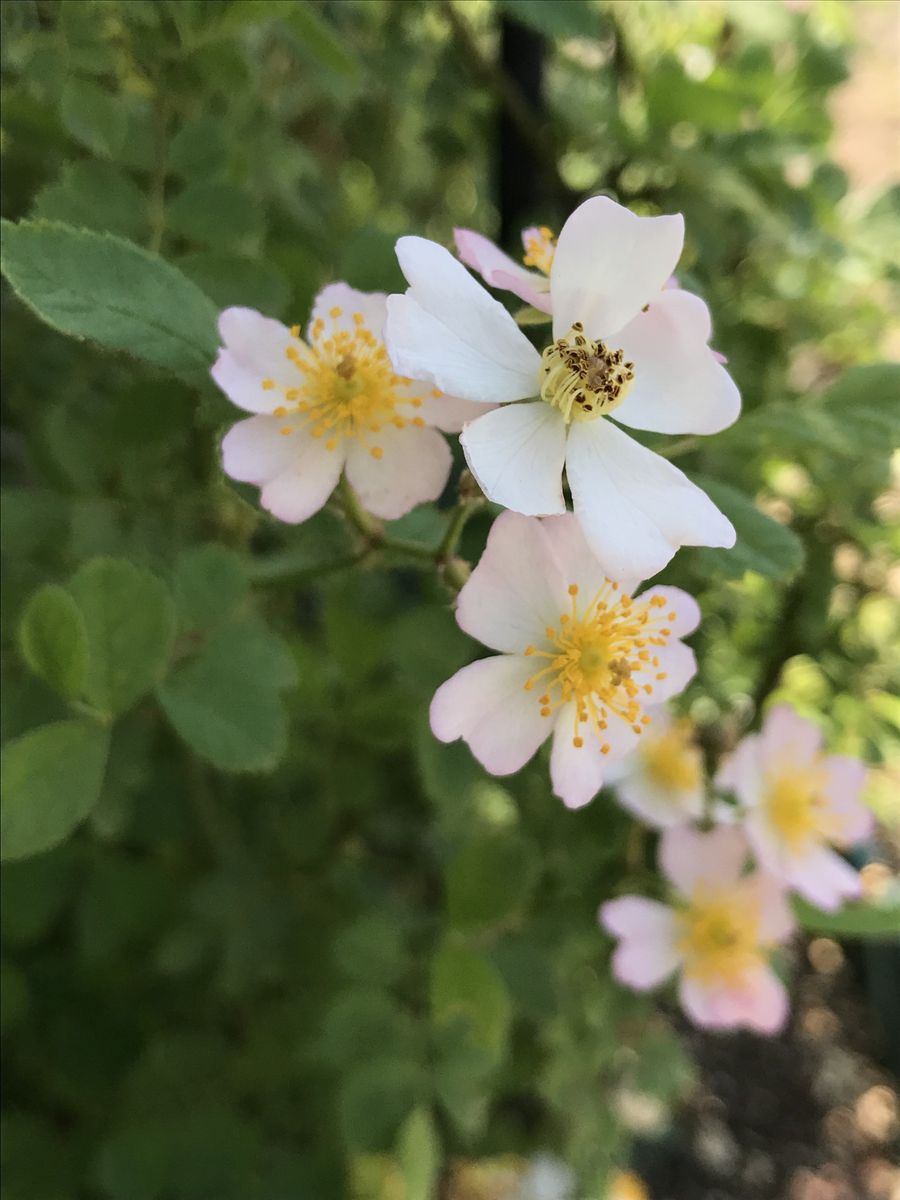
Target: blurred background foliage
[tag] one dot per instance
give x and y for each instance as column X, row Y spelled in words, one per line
column 276, row 941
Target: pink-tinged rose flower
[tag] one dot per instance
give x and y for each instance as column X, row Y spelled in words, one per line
column 718, row 933
column 797, row 802
column 331, row 403
column 622, row 346
column 501, row 271
column 662, row 783
column 579, row 657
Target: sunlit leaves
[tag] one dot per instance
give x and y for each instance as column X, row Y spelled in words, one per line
column 53, row 639
column 763, row 545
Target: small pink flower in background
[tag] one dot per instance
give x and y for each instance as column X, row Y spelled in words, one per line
column 501, row 271
column 579, row 657
column 662, row 783
column 797, row 802
column 718, row 933
column 622, row 346
column 331, row 403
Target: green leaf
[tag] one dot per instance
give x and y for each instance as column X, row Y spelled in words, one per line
column 130, row 621
column 320, row 41
column 53, row 638
column 214, row 213
column 94, row 195
column 210, row 582
column 198, row 149
column 371, row 949
column 226, row 701
column 864, row 920
column 561, row 18
column 419, row 1155
column 97, row 286
column 51, row 781
column 94, row 117
column 491, row 878
column 763, row 545
column 466, row 985
column 376, row 1096
column 229, row 279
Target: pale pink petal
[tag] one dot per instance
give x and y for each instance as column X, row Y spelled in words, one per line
column 769, row 847
column 254, row 351
column 516, row 591
column 647, row 954
column 688, row 857
column 679, row 665
column 678, row 385
column 516, row 454
column 371, row 306
column 501, row 271
column 449, row 331
column 768, row 896
column 255, row 450
column 576, row 559
column 413, row 469
column 681, row 611
column 824, row 878
column 303, row 487
column 789, row 738
column 487, row 705
column 576, row 772
column 447, row 413
column 759, row 1002
column 636, row 508
column 844, row 781
column 742, row 772
column 608, row 264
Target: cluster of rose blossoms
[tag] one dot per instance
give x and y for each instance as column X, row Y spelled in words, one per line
column 580, row 656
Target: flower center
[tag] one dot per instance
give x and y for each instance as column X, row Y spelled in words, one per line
column 672, row 760
column 718, row 935
column 795, row 806
column 346, row 386
column 540, row 247
column 584, row 379
column 602, row 657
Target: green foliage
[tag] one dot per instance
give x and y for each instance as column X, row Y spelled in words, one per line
column 51, row 781
column 261, row 932
column 104, row 288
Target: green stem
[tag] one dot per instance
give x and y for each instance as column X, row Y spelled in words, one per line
column 682, row 446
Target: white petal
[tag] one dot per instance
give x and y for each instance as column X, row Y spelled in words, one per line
column 681, row 613
column 688, row 857
column 371, row 305
column 303, row 487
column 254, row 351
column 636, row 508
column 422, row 347
column 254, row 450
column 768, row 896
column 447, row 413
column 678, row 385
column 576, row 772
column 759, row 1001
column 742, row 772
column 516, row 454
column 661, row 808
column 824, row 878
column 647, row 954
column 679, row 665
column 487, row 705
column 608, row 264
column 516, row 591
column 844, row 780
column 501, row 271
column 466, row 324
column 413, row 469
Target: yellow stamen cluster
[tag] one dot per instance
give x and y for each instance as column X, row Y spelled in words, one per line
column 540, row 247
column 672, row 760
column 583, row 378
column 795, row 806
column 346, row 386
column 603, row 658
column 718, row 935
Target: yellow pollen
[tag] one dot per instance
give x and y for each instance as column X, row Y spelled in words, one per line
column 718, row 935
column 280, row 411
column 795, row 806
column 268, row 385
column 672, row 760
column 335, row 312
column 589, row 662
column 295, row 331
column 540, row 248
column 377, row 452
column 583, row 378
column 285, row 430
